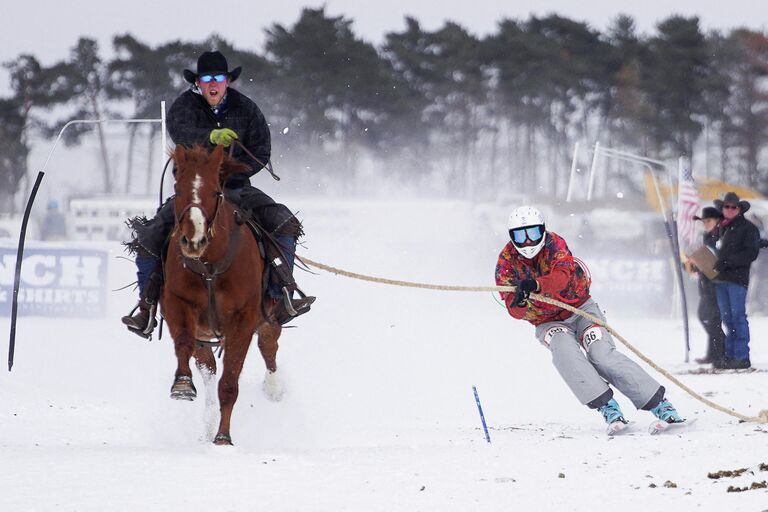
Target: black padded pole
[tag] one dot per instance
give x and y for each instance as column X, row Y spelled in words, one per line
column 17, row 277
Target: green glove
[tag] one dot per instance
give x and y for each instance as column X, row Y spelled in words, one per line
column 222, row 136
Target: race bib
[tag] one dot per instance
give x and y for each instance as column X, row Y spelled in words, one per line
column 591, row 335
column 558, row 329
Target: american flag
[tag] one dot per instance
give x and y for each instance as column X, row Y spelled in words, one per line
column 687, row 207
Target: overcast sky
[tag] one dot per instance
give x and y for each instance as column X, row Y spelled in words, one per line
column 50, row 29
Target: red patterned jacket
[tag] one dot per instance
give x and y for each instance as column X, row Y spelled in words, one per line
column 559, row 276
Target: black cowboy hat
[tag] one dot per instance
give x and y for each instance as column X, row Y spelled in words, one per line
column 709, row 212
column 733, row 199
column 212, row 63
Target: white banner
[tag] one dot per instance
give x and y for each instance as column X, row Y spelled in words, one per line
column 55, row 282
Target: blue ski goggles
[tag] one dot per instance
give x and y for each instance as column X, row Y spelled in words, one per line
column 527, row 234
column 209, row 78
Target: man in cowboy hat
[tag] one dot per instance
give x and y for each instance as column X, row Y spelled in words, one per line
column 212, row 113
column 709, row 311
column 737, row 248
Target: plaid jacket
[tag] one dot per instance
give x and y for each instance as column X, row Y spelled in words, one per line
column 190, row 121
column 559, row 276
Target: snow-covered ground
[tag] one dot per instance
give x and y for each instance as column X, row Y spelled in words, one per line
column 379, row 412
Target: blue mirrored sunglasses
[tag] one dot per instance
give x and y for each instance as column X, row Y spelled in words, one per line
column 532, row 233
column 208, row 78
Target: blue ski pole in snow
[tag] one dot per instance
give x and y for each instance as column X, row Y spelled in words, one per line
column 482, row 416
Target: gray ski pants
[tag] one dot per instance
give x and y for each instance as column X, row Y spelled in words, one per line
column 586, row 375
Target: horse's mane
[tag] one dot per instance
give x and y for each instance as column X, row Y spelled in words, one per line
column 191, row 155
column 232, row 166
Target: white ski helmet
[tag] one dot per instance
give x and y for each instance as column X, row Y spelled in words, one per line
column 527, row 231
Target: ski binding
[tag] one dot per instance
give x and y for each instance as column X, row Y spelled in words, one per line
column 618, row 427
column 659, row 426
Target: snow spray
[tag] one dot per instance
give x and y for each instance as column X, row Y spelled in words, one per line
column 482, row 416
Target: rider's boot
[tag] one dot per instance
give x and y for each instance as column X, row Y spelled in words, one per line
column 286, row 307
column 142, row 318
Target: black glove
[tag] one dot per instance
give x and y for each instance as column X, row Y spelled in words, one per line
column 524, row 289
column 763, row 243
column 722, row 265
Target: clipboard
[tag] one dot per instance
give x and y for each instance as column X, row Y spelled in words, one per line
column 704, row 259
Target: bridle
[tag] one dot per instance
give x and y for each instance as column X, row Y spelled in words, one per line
column 210, row 220
column 210, row 271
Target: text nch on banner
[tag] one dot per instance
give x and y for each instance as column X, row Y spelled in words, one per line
column 55, row 282
column 632, row 285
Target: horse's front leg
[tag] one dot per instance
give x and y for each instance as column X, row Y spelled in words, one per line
column 183, row 388
column 235, row 350
column 181, row 324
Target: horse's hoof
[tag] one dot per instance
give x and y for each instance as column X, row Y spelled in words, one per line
column 222, row 440
column 183, row 388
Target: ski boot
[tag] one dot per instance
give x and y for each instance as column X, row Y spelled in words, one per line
column 665, row 411
column 613, row 416
column 666, row 415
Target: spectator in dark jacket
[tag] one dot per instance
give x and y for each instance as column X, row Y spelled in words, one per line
column 212, row 113
column 737, row 248
column 709, row 312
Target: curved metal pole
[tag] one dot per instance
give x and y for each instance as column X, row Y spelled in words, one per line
column 633, row 157
column 28, row 209
column 92, row 121
column 669, row 225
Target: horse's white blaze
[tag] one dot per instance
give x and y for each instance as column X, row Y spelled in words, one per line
column 273, row 386
column 198, row 221
column 196, row 183
column 195, row 213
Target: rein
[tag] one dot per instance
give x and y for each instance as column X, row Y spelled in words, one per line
column 162, row 180
column 267, row 166
column 210, row 271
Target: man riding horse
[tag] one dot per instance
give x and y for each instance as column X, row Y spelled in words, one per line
column 212, row 113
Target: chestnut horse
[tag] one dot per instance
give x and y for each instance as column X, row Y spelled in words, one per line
column 213, row 284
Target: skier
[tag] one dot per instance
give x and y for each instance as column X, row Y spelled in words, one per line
column 538, row 261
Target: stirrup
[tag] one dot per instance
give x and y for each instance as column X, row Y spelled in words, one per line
column 288, row 301
column 146, row 332
column 284, row 311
